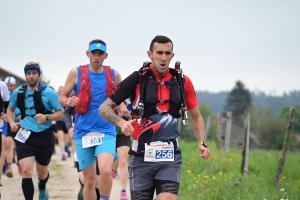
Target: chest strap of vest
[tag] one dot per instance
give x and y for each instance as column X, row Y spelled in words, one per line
column 37, row 99
column 142, row 72
column 182, row 92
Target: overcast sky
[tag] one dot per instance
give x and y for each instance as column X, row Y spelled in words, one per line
column 217, row 42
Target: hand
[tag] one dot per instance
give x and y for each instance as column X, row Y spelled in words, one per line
column 122, row 110
column 71, row 132
column 126, row 126
column 4, row 117
column 14, row 126
column 205, row 153
column 71, row 101
column 41, row 118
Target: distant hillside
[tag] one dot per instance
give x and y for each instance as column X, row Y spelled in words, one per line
column 217, row 101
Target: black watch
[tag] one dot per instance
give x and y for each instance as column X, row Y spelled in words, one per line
column 203, row 143
column 48, row 118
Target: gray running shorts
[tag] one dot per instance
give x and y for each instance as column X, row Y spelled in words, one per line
column 142, row 174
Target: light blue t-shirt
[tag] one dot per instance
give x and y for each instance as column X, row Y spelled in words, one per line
column 50, row 101
column 92, row 121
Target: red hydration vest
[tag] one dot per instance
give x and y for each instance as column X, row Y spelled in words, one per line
column 84, row 94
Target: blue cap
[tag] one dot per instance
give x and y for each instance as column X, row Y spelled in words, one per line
column 97, row 46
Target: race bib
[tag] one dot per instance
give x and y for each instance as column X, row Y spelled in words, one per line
column 22, row 135
column 159, row 151
column 92, row 139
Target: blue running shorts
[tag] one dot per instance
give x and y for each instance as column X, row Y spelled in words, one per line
column 87, row 156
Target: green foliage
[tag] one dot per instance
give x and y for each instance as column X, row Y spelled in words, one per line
column 269, row 129
column 219, row 177
column 187, row 132
column 285, row 113
column 238, row 100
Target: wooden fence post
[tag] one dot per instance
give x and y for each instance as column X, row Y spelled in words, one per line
column 245, row 153
column 285, row 146
column 207, row 127
column 219, row 130
column 228, row 131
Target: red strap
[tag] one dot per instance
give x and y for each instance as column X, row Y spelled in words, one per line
column 110, row 83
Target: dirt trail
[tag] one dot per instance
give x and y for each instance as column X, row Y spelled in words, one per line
column 63, row 182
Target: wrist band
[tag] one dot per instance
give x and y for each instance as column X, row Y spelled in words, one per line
column 66, row 100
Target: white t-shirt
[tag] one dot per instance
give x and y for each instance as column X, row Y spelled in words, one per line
column 5, row 97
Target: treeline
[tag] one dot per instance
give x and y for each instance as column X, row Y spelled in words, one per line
column 217, row 101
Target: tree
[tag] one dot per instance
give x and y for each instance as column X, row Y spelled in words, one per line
column 238, row 100
column 284, row 114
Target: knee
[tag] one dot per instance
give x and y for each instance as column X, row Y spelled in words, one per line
column 123, row 163
column 8, row 144
column 90, row 184
column 26, row 171
column 106, row 172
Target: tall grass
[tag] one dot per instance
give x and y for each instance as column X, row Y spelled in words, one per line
column 220, row 176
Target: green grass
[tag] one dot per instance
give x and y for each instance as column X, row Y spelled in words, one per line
column 215, row 178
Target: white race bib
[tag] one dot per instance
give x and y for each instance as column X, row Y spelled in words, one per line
column 22, row 135
column 159, row 151
column 92, row 139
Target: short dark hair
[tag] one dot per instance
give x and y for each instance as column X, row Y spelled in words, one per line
column 97, row 41
column 160, row 39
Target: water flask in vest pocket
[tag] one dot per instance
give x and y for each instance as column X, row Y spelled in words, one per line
column 84, row 98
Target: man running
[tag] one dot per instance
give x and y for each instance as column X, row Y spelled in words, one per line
column 157, row 94
column 4, row 99
column 34, row 138
column 95, row 138
column 9, row 140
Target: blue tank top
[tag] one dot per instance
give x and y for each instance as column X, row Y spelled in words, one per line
column 92, row 121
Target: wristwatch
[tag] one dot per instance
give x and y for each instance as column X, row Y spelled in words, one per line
column 48, row 118
column 203, row 143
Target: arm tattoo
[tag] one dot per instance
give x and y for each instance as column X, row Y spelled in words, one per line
column 106, row 110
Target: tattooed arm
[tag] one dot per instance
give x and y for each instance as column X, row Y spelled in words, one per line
column 106, row 110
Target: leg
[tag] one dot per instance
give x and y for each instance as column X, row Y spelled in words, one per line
column 141, row 178
column 123, row 154
column 167, row 179
column 105, row 168
column 89, row 182
column 9, row 147
column 27, row 171
column 61, row 143
column 166, row 190
column 2, row 158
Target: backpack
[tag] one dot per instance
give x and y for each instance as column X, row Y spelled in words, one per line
column 85, row 88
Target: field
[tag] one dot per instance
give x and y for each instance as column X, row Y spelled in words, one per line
column 220, row 176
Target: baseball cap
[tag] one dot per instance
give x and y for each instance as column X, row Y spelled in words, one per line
column 97, row 46
column 10, row 79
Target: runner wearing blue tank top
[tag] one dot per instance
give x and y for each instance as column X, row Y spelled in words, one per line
column 94, row 136
column 39, row 105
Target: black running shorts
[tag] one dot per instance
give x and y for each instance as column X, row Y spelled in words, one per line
column 40, row 145
column 61, row 126
column 122, row 140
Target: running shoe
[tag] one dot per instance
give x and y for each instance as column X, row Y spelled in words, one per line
column 113, row 173
column 1, row 183
column 116, row 175
column 80, row 195
column 43, row 194
column 63, row 157
column 4, row 169
column 9, row 173
column 123, row 196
